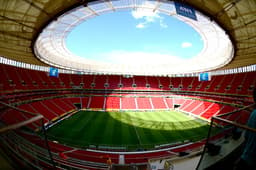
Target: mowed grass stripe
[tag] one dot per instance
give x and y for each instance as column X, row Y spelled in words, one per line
column 152, row 136
column 128, row 135
column 180, row 116
column 135, row 134
column 190, row 128
column 79, row 127
column 173, row 134
column 73, row 127
column 196, row 130
column 97, row 127
column 105, row 131
column 164, row 133
column 145, row 136
column 117, row 138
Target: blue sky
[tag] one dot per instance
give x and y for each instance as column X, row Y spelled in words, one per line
column 126, row 36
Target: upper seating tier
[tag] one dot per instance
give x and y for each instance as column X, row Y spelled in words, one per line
column 15, row 78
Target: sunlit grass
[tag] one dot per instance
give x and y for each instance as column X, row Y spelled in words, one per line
column 158, row 120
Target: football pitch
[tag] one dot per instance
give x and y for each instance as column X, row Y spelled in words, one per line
column 131, row 130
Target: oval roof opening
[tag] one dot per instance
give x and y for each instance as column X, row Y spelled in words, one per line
column 134, row 37
column 138, row 38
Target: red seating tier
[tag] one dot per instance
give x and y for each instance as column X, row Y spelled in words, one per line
column 15, row 78
column 97, row 102
column 143, row 103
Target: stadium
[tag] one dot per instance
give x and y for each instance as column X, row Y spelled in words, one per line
column 125, row 103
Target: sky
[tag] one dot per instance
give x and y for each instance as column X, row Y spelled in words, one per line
column 134, row 35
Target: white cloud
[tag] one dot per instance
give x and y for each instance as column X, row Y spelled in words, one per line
column 186, row 45
column 149, row 16
column 140, row 25
column 162, row 24
column 139, row 58
column 146, row 14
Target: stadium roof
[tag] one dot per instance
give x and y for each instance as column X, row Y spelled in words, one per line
column 23, row 20
column 50, row 46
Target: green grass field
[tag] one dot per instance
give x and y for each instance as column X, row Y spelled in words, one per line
column 130, row 129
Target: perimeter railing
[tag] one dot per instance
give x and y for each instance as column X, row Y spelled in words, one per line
column 230, row 144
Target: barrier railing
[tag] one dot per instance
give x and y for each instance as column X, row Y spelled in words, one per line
column 229, row 145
